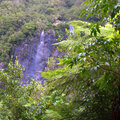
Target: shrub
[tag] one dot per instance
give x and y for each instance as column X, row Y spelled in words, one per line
column 17, row 100
column 29, row 28
column 50, row 11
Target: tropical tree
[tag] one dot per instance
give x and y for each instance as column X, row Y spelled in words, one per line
column 91, row 66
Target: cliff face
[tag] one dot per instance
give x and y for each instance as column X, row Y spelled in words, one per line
column 33, row 55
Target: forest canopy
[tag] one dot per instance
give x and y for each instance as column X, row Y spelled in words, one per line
column 86, row 86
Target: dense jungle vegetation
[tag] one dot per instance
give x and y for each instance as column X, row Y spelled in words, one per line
column 20, row 19
column 87, row 86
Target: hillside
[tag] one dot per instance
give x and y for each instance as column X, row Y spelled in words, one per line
column 19, row 19
column 59, row 60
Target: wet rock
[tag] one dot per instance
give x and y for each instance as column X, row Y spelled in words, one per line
column 34, row 55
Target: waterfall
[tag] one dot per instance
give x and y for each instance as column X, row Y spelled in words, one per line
column 38, row 60
column 40, row 50
column 34, row 57
column 42, row 35
column 71, row 30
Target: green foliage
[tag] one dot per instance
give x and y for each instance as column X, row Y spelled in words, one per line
column 50, row 11
column 115, row 16
column 60, row 31
column 91, row 66
column 87, row 86
column 29, row 28
column 20, row 19
column 17, row 38
column 18, row 101
column 60, row 108
column 102, row 8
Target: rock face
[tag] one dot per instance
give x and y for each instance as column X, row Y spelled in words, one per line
column 2, row 65
column 33, row 55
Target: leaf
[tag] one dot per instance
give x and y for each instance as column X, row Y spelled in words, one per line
column 90, row 14
column 86, row 2
column 27, row 105
column 83, row 12
column 98, row 28
column 95, row 33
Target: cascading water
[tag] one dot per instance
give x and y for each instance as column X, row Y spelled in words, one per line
column 39, row 58
column 71, row 30
column 44, row 51
column 40, row 52
column 34, row 55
